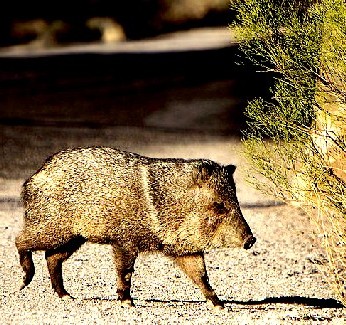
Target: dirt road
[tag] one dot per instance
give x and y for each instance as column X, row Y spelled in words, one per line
column 276, row 282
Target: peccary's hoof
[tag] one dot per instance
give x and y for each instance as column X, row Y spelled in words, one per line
column 218, row 308
column 215, row 305
column 126, row 303
column 67, row 298
column 22, row 285
column 26, row 281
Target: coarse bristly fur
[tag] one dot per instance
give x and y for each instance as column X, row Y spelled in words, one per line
column 135, row 203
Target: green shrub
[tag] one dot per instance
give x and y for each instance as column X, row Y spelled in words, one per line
column 296, row 142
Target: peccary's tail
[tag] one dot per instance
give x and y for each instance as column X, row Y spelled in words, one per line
column 25, row 258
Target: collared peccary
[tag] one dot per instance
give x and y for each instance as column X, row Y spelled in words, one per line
column 134, row 203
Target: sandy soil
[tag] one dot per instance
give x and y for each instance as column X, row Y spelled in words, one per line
column 276, row 282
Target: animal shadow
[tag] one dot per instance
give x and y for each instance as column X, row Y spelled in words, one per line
column 318, row 303
column 293, row 300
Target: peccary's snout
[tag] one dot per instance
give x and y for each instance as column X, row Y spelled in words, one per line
column 249, row 242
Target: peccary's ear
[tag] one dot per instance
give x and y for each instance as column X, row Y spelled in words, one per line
column 203, row 172
column 230, row 169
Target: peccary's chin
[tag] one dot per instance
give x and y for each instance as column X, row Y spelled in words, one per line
column 231, row 234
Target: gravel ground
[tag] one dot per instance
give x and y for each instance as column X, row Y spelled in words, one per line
column 277, row 282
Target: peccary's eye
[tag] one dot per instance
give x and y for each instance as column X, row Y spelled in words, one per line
column 219, row 207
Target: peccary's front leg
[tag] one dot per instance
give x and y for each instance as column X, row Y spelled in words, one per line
column 194, row 266
column 124, row 264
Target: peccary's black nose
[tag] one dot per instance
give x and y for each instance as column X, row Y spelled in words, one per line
column 249, row 242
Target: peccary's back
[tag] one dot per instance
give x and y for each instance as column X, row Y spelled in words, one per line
column 94, row 192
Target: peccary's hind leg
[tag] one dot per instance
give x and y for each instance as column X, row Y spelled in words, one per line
column 194, row 267
column 124, row 264
column 55, row 257
column 25, row 258
column 25, row 246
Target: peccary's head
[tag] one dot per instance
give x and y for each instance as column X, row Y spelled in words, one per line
column 194, row 206
column 221, row 222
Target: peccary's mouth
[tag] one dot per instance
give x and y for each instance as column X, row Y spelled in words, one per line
column 249, row 242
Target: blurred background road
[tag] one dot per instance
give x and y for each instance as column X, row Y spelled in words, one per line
column 166, row 66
